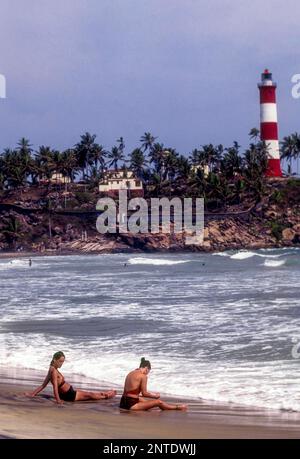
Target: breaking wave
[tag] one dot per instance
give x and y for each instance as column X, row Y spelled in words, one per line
column 274, row 263
column 154, row 261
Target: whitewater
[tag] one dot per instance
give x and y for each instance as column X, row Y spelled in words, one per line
column 223, row 326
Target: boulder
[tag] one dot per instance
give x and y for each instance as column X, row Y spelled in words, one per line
column 288, row 234
column 214, row 233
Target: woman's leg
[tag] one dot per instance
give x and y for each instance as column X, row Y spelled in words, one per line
column 82, row 395
column 144, row 406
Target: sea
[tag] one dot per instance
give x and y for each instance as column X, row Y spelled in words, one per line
column 221, row 327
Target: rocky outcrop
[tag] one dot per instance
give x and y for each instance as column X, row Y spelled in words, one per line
column 288, row 235
column 268, row 224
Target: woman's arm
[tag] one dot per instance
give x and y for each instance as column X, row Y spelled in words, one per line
column 144, row 390
column 40, row 388
column 55, row 385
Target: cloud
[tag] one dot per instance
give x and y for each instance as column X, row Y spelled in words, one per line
column 185, row 69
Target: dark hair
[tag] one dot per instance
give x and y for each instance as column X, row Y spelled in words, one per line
column 57, row 356
column 145, row 363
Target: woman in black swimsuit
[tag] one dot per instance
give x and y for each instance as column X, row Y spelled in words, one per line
column 63, row 390
column 136, row 384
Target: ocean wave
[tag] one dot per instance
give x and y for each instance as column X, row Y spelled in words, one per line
column 242, row 385
column 155, row 261
column 222, row 254
column 242, row 255
column 274, row 263
column 235, row 360
column 15, row 263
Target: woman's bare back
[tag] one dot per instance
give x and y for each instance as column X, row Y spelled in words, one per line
column 133, row 383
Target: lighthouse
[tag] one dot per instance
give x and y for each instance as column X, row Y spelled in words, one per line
column 268, row 123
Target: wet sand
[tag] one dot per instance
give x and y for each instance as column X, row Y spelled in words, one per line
column 41, row 417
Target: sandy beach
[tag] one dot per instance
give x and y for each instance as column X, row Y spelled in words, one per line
column 41, row 418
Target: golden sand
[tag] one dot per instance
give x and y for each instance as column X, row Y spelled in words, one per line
column 41, row 417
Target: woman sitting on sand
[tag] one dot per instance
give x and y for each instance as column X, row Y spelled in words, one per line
column 136, row 383
column 63, row 390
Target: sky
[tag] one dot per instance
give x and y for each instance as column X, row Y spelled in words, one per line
column 184, row 70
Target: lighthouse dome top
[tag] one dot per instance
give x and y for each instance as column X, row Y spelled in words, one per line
column 266, row 79
column 266, row 75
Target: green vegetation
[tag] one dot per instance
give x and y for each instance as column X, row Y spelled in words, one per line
column 278, row 196
column 11, row 230
column 276, row 229
column 84, row 197
column 293, row 183
column 224, row 176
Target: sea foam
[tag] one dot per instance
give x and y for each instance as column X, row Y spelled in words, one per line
column 274, row 263
column 155, row 261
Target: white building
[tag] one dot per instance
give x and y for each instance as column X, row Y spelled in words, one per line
column 56, row 178
column 119, row 179
column 204, row 168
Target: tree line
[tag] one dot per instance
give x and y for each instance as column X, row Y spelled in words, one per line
column 219, row 174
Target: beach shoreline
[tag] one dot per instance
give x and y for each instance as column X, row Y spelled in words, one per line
column 22, row 417
column 32, row 254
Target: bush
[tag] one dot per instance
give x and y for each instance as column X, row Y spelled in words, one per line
column 277, row 197
column 83, row 197
column 293, row 183
column 276, row 229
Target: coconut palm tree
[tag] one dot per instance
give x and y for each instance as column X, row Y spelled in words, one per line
column 98, row 157
column 255, row 164
column 25, row 151
column 138, row 162
column 114, row 156
column 44, row 163
column 217, row 190
column 290, row 148
column 157, row 157
column 86, row 150
column 169, row 164
column 183, row 166
column 12, row 230
column 147, row 140
column 210, row 156
column 254, row 134
column 232, row 161
column 195, row 157
column 24, row 147
column 68, row 164
column 14, row 168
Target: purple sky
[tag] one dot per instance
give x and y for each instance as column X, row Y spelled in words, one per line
column 185, row 70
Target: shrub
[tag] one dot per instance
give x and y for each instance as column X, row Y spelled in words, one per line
column 83, row 197
column 276, row 229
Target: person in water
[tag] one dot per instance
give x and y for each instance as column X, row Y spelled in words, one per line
column 62, row 390
column 136, row 384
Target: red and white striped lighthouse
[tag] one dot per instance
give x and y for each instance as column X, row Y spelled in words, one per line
column 268, row 123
